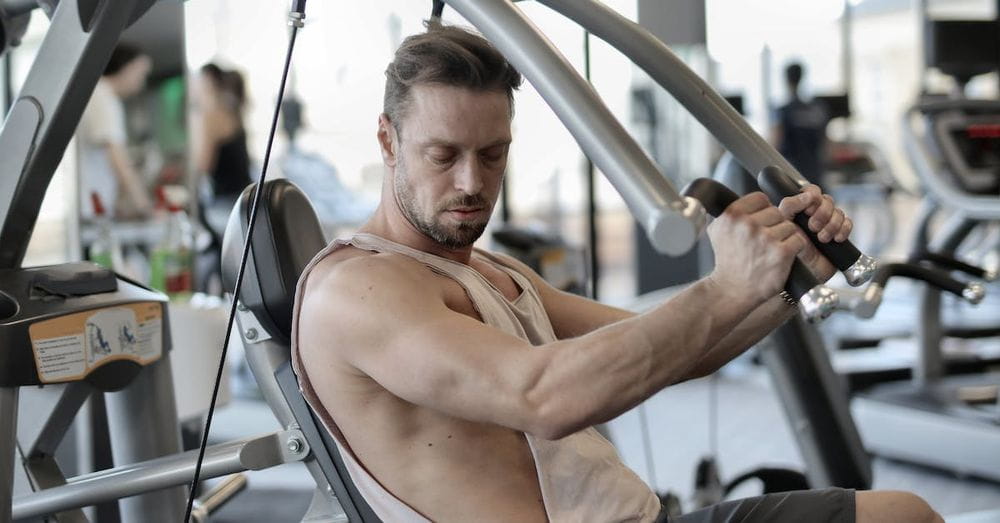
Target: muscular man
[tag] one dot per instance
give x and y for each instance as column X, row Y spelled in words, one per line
column 460, row 386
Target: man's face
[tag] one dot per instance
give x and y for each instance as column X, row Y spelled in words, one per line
column 450, row 158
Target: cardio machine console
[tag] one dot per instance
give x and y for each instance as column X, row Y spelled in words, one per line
column 970, row 149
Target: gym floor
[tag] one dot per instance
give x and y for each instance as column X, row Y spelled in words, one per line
column 752, row 431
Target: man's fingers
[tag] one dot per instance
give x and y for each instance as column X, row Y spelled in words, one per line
column 822, row 214
column 768, row 216
column 833, row 227
column 845, row 230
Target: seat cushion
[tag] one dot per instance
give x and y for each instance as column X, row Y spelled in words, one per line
column 285, row 238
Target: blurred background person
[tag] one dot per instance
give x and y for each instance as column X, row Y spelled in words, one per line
column 220, row 159
column 105, row 166
column 219, row 139
column 799, row 132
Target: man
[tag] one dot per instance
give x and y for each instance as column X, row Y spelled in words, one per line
column 800, row 128
column 460, row 386
column 105, row 166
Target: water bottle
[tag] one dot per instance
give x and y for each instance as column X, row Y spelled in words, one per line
column 105, row 251
column 171, row 260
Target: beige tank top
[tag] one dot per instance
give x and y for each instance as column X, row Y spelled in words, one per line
column 581, row 476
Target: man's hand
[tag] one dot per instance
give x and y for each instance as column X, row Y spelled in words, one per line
column 829, row 222
column 754, row 246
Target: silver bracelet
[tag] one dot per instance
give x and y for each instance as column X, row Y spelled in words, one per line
column 788, row 298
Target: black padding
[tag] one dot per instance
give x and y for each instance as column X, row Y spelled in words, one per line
column 286, row 237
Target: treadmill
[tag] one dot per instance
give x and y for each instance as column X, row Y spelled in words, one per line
column 947, row 422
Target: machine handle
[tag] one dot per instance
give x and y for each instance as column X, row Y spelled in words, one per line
column 869, row 300
column 817, row 300
column 952, row 264
column 857, row 267
column 973, row 292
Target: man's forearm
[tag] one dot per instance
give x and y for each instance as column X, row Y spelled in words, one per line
column 598, row 376
column 751, row 330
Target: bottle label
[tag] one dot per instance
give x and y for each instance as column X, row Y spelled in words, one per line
column 171, row 271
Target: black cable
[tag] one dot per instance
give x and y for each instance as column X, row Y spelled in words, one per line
column 299, row 6
column 437, row 10
column 595, row 268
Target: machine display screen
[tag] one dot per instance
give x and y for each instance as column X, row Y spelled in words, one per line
column 979, row 145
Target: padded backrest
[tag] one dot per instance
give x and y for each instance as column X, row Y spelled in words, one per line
column 285, row 238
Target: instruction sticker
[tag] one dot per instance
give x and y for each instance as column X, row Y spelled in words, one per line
column 71, row 347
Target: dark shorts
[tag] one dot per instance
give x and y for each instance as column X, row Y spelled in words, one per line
column 830, row 505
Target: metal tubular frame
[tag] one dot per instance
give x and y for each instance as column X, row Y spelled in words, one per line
column 170, row 471
column 664, row 67
column 49, row 105
column 8, row 448
column 142, row 422
column 672, row 223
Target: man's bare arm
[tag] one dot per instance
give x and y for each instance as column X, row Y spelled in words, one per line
column 393, row 326
column 573, row 315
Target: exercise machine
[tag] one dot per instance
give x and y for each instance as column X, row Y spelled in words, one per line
column 73, row 329
column 950, row 422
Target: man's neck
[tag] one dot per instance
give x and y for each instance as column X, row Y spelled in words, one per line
column 389, row 223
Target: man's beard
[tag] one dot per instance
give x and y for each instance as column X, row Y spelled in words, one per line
column 453, row 237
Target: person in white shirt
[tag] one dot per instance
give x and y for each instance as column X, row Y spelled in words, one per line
column 105, row 166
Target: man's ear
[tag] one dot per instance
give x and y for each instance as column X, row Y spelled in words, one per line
column 387, row 140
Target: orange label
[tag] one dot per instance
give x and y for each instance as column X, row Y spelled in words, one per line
column 70, row 347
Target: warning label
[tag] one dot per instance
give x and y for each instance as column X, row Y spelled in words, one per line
column 70, row 347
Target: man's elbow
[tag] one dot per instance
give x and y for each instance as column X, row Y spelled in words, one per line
column 552, row 417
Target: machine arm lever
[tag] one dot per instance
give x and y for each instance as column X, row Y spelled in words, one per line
column 868, row 302
column 947, row 262
column 817, row 300
column 857, row 267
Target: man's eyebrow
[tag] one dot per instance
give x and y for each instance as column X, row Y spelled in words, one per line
column 445, row 143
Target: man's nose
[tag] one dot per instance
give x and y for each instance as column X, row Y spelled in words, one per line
column 469, row 177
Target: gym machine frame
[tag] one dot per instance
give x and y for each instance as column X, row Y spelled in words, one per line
column 42, row 120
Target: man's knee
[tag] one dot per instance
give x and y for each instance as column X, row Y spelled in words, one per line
column 892, row 505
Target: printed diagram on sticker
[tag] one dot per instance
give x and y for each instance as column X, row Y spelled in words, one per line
column 111, row 332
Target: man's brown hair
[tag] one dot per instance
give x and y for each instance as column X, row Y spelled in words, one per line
column 445, row 55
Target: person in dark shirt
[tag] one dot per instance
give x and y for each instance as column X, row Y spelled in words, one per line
column 800, row 129
column 220, row 148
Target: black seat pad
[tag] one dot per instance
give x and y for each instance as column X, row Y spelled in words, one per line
column 286, row 237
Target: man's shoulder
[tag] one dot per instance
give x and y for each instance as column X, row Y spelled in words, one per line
column 347, row 269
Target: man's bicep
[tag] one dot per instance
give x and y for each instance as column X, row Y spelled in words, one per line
column 412, row 345
column 571, row 315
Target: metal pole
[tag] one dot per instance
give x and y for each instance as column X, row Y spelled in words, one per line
column 922, row 17
column 670, row 72
column 672, row 222
column 142, row 421
column 171, row 471
column 847, row 53
column 8, row 449
column 595, row 272
column 8, row 83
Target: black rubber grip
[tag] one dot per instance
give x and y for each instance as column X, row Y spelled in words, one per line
column 933, row 277
column 777, row 185
column 715, row 197
column 949, row 263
